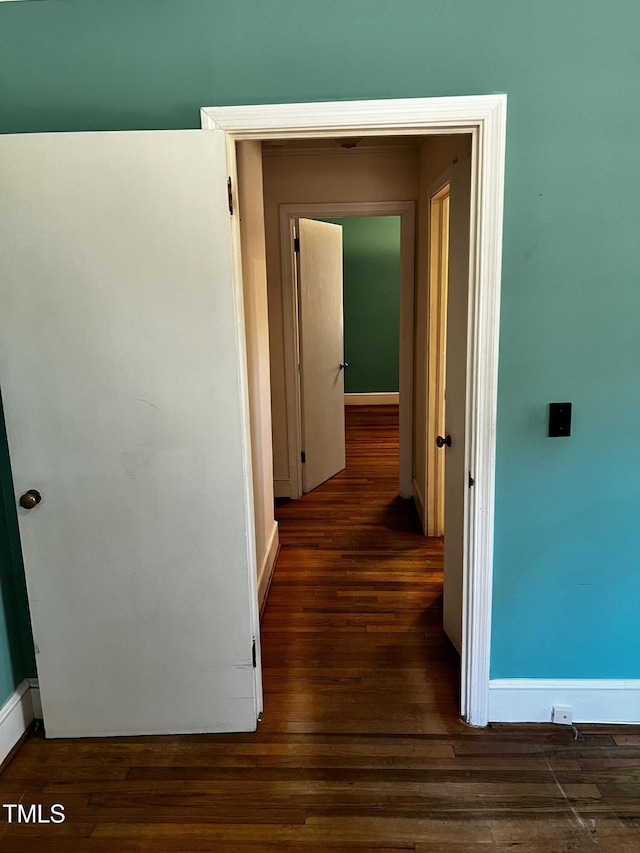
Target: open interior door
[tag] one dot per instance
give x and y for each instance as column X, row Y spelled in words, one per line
column 456, row 474
column 322, row 363
column 121, row 366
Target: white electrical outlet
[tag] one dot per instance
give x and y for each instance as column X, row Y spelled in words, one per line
column 562, row 714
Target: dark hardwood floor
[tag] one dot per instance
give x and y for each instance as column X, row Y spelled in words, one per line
column 360, row 746
column 352, row 631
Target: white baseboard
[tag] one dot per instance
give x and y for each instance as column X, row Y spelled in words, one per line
column 529, row 700
column 281, row 489
column 16, row 715
column 378, row 398
column 419, row 502
column 265, row 571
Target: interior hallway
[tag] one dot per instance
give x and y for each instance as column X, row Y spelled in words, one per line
column 352, row 630
column 360, row 748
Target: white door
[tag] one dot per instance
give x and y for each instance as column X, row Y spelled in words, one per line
column 456, row 474
column 321, row 350
column 124, row 391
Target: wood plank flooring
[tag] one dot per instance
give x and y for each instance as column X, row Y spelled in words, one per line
column 360, row 747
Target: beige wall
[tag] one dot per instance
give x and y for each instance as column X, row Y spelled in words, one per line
column 436, row 155
column 254, row 276
column 345, row 176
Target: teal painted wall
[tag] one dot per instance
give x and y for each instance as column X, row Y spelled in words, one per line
column 567, row 558
column 371, row 253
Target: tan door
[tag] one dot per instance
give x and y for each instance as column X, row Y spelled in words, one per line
column 456, row 474
column 321, row 350
column 433, row 523
column 120, row 362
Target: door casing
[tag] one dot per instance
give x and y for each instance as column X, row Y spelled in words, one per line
column 484, row 118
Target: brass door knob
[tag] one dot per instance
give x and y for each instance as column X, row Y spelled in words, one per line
column 30, row 499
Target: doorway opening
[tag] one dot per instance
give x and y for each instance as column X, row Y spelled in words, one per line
column 483, row 117
column 318, row 172
column 285, row 304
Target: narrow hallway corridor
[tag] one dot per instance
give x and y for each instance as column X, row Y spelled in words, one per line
column 352, row 630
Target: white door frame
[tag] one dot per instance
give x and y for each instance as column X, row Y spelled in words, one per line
column 484, row 117
column 288, row 214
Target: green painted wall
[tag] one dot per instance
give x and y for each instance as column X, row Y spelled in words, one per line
column 371, row 252
column 567, row 559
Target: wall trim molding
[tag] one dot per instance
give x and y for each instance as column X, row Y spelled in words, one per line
column 529, row 700
column 267, row 565
column 16, row 715
column 484, row 117
column 372, row 398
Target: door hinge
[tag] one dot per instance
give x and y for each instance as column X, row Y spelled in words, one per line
column 296, row 245
column 230, row 195
column 471, row 480
column 303, row 457
column 254, row 653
